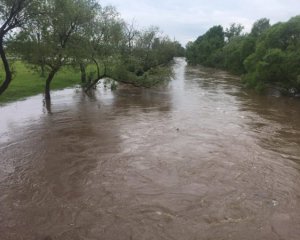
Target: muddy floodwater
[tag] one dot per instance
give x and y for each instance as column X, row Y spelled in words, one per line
column 199, row 158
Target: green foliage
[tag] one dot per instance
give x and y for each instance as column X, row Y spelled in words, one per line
column 260, row 26
column 268, row 55
column 276, row 59
column 53, row 37
column 17, row 13
column 14, row 14
column 204, row 49
column 150, row 78
column 78, row 33
column 28, row 82
column 233, row 31
column 143, row 55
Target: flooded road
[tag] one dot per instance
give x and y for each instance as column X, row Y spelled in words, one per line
column 201, row 158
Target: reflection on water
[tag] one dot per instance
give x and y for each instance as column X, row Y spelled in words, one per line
column 201, row 158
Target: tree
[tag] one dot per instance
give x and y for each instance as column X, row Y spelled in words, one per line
column 130, row 33
column 267, row 55
column 143, row 48
column 190, row 53
column 276, row 58
column 13, row 14
column 234, row 30
column 260, row 26
column 108, row 38
column 79, row 32
column 106, row 42
column 205, row 49
column 60, row 28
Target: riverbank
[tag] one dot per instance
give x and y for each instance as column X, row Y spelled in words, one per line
column 268, row 55
column 27, row 82
column 268, row 89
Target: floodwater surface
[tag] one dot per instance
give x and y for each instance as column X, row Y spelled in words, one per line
column 199, row 158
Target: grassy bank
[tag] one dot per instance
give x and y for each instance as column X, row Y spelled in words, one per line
column 27, row 82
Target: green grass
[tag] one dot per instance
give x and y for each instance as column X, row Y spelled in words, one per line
column 27, row 82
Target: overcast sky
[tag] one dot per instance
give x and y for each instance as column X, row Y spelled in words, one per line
column 185, row 20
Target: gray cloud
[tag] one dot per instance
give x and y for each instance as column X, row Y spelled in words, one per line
column 186, row 20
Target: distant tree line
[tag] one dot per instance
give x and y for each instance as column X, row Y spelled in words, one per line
column 51, row 34
column 268, row 55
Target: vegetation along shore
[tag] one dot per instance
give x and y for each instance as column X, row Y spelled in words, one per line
column 76, row 42
column 268, row 55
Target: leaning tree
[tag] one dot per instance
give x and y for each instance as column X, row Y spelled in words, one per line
column 14, row 14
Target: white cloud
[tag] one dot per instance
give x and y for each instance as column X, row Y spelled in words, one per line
column 186, row 20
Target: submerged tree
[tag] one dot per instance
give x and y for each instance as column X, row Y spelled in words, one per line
column 267, row 55
column 58, row 40
column 80, row 33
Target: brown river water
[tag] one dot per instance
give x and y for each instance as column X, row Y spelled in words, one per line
column 199, row 158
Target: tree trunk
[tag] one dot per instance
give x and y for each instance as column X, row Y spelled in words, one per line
column 98, row 68
column 8, row 74
column 42, row 70
column 94, row 83
column 83, row 73
column 47, row 105
column 48, row 82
